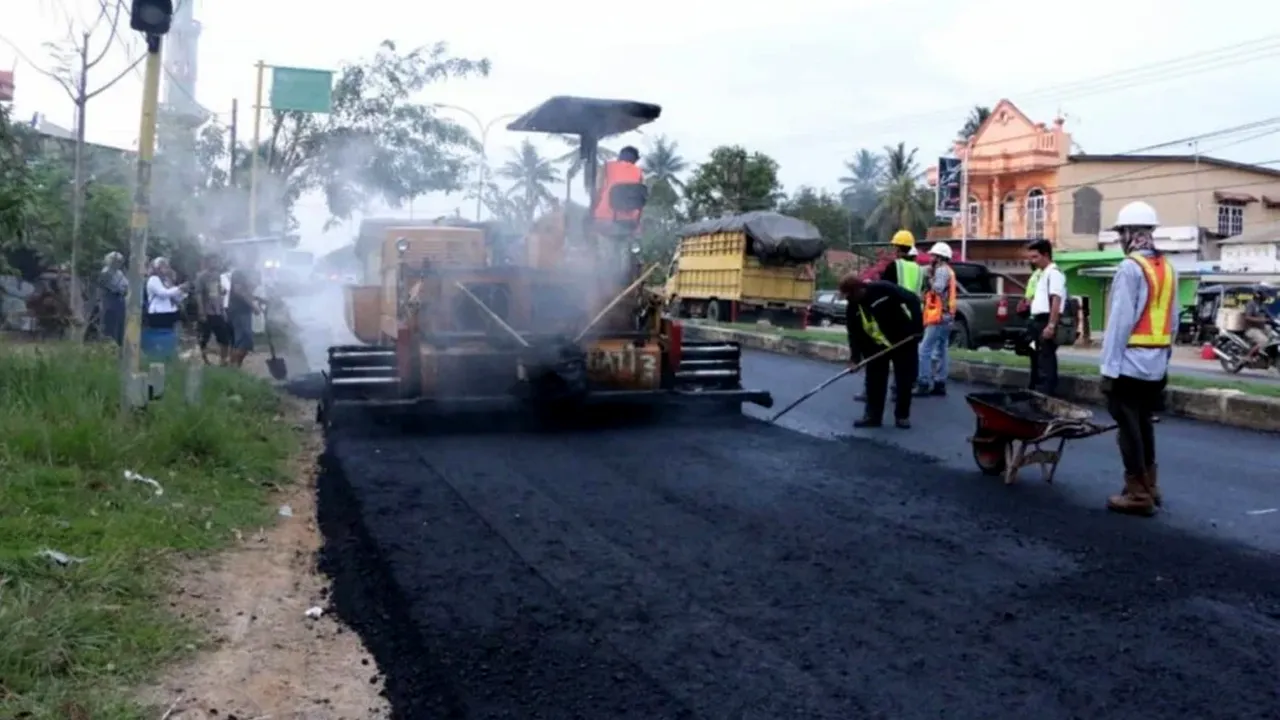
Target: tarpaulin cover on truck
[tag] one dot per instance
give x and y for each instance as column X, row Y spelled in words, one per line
column 774, row 238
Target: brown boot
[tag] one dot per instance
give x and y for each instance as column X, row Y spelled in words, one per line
column 1135, row 499
column 1153, row 485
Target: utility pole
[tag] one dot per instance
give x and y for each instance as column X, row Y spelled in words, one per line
column 77, row 195
column 254, row 151
column 152, row 18
column 235, row 119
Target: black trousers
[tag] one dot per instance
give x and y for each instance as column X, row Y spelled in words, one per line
column 1131, row 403
column 905, row 361
column 1044, row 358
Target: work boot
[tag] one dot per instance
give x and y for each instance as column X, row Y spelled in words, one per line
column 1153, row 485
column 902, row 423
column 939, row 389
column 1134, row 499
column 923, row 390
column 867, row 421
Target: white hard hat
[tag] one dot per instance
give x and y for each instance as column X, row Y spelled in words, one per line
column 912, row 252
column 1136, row 214
column 941, row 249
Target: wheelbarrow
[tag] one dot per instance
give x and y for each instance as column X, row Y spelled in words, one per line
column 1013, row 426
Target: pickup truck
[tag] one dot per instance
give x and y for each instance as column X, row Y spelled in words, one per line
column 986, row 318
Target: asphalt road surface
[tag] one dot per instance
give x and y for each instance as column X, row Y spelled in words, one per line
column 725, row 568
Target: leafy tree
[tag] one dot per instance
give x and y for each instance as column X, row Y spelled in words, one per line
column 377, row 143
column 977, row 116
column 530, row 174
column 572, row 161
column 904, row 201
column 662, row 165
column 825, row 211
column 733, row 181
column 861, row 187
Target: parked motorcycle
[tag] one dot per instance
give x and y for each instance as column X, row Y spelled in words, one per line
column 1233, row 349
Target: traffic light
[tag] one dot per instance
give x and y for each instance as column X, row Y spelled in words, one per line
column 152, row 17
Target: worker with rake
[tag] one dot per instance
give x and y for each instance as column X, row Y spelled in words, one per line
column 883, row 318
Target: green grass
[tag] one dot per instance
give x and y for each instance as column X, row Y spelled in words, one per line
column 77, row 640
column 1067, row 367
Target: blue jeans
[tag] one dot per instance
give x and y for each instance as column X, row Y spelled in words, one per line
column 933, row 348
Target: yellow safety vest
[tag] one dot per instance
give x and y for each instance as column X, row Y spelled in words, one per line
column 872, row 328
column 1031, row 284
column 1155, row 325
column 908, row 275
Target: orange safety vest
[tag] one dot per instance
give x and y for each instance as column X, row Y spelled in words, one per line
column 933, row 307
column 1155, row 324
column 617, row 172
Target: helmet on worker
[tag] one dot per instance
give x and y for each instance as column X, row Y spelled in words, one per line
column 1136, row 219
column 904, row 242
column 940, row 250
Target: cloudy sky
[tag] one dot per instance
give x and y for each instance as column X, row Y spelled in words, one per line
column 808, row 81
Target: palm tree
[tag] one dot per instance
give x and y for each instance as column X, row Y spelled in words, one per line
column 860, row 188
column 901, row 205
column 530, row 174
column 662, row 166
column 977, row 116
column 572, row 161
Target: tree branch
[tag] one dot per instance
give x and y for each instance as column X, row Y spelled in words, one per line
column 111, row 34
column 47, row 73
column 119, row 76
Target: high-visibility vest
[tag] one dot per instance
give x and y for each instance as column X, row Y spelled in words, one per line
column 908, row 275
column 617, row 172
column 1155, row 324
column 934, row 309
column 872, row 328
column 1032, row 283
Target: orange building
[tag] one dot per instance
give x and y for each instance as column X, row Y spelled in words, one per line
column 1012, row 167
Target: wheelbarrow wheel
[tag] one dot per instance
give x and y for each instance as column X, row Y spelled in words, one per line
column 991, row 455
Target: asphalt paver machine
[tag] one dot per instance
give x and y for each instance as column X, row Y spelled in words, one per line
column 558, row 318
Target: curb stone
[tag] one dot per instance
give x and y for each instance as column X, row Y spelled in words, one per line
column 1232, row 408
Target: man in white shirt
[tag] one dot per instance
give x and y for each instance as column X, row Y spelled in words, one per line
column 1046, row 311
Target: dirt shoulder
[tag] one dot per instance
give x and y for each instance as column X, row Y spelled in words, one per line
column 267, row 658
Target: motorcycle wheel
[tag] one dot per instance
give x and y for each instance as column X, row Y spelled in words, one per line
column 1231, row 367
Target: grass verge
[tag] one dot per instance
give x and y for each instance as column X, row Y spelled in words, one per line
column 1065, row 366
column 76, row 640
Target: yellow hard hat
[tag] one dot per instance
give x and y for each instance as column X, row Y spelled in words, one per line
column 903, row 238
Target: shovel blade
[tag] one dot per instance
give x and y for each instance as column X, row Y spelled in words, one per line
column 277, row 368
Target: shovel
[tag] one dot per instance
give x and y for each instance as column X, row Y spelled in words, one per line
column 837, row 376
column 275, row 365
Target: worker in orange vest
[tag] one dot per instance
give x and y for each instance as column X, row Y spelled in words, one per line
column 1142, row 317
column 623, row 171
column 939, row 314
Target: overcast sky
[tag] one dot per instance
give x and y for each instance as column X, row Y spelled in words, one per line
column 808, row 81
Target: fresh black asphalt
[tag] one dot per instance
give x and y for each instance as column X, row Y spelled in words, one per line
column 711, row 567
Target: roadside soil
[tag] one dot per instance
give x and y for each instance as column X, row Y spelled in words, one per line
column 267, row 658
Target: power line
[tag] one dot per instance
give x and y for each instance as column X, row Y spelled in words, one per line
column 1173, row 68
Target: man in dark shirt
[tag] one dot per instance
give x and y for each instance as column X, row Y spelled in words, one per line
column 881, row 315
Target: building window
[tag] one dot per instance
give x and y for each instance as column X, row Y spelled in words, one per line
column 1086, row 211
column 1230, row 219
column 1035, row 214
column 973, row 221
column 1009, row 217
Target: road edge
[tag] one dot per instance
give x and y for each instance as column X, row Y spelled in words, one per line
column 1222, row 407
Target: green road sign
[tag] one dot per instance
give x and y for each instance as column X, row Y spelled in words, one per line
column 301, row 89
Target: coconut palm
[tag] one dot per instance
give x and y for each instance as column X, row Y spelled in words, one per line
column 860, row 188
column 901, row 205
column 662, row 166
column 530, row 175
column 572, row 162
column 977, row 116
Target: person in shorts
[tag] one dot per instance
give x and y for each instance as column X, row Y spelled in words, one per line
column 242, row 305
column 211, row 309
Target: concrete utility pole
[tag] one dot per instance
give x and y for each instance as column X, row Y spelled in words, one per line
column 235, row 119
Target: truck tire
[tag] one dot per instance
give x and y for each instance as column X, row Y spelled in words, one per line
column 713, row 310
column 960, row 337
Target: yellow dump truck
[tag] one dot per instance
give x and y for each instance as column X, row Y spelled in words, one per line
column 745, row 268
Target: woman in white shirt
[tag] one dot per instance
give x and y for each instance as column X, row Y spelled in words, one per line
column 161, row 302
